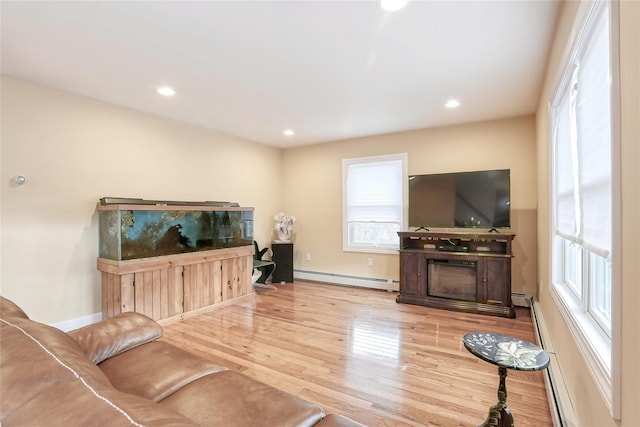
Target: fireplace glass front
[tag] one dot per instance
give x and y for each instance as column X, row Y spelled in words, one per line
column 451, row 279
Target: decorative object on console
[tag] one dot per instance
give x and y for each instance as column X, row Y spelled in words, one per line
column 284, row 225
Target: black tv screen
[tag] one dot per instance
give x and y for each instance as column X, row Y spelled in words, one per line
column 478, row 199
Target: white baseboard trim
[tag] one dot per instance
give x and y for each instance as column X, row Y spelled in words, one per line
column 79, row 322
column 342, row 279
column 559, row 401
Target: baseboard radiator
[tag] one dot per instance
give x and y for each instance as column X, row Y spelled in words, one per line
column 345, row 280
column 519, row 299
column 559, row 402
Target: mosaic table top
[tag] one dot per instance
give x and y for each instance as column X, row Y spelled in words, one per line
column 505, row 351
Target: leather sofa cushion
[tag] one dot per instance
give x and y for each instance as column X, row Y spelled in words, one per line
column 46, row 380
column 72, row 404
column 34, row 357
column 116, row 335
column 9, row 310
column 156, row 370
column 232, row 399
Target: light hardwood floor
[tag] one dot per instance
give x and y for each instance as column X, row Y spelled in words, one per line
column 357, row 352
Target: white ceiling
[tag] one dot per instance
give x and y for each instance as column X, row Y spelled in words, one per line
column 330, row 70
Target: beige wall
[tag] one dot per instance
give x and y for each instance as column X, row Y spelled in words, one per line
column 589, row 406
column 312, row 185
column 73, row 151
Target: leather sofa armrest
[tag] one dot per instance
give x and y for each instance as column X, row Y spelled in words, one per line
column 116, row 335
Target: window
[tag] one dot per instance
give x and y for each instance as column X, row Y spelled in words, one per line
column 585, row 193
column 374, row 191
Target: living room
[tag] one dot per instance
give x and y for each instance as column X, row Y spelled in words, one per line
column 74, row 150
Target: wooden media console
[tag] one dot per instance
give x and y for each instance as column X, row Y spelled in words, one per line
column 457, row 270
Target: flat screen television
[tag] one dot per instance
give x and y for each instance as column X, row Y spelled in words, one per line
column 479, row 199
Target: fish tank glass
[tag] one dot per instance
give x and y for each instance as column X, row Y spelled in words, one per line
column 127, row 233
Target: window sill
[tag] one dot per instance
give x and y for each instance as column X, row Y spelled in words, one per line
column 371, row 250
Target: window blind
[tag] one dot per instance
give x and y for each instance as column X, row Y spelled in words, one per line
column 582, row 158
column 374, row 192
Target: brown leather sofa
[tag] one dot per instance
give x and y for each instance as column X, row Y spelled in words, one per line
column 117, row 373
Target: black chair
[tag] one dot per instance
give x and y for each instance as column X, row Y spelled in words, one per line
column 265, row 267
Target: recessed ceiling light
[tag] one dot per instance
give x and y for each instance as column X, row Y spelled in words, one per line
column 166, row 91
column 452, row 103
column 289, row 132
column 392, row 5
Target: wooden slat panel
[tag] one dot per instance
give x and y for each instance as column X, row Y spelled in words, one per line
column 247, row 286
column 164, row 293
column 127, row 293
column 148, row 293
column 199, row 285
column 175, row 290
column 193, row 279
column 217, row 281
column 186, row 282
column 226, row 279
column 214, row 275
column 155, row 296
column 139, row 292
column 110, row 297
column 206, row 284
column 239, row 278
column 233, row 277
column 105, row 295
column 117, row 294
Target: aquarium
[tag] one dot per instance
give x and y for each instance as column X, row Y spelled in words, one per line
column 132, row 232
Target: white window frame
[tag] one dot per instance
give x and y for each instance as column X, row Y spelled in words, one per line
column 599, row 347
column 348, row 246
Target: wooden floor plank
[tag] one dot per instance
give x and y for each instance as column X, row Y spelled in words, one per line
column 357, row 352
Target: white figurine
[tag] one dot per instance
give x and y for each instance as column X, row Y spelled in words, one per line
column 283, row 226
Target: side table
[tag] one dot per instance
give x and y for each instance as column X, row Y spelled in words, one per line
column 507, row 353
column 283, row 257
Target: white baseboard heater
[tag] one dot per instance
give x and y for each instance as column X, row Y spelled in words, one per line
column 559, row 401
column 345, row 280
column 519, row 299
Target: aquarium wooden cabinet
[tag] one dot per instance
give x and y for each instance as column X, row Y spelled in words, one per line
column 168, row 262
column 171, row 286
column 457, row 270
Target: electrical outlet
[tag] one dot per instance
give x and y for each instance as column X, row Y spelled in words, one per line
column 370, row 262
column 307, row 256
